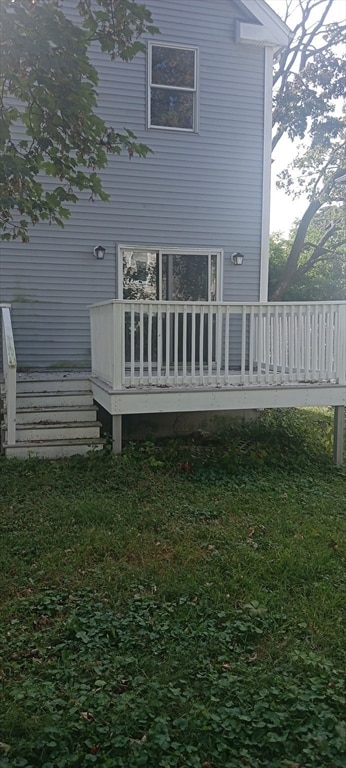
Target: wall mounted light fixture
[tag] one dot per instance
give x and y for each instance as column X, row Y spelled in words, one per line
column 237, row 258
column 99, row 251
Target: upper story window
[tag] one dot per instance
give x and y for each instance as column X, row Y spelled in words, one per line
column 172, row 87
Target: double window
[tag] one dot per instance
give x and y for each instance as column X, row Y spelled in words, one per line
column 172, row 100
column 165, row 275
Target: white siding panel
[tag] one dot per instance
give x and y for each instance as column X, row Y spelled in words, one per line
column 195, row 190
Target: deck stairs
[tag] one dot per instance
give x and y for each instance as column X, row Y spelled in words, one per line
column 56, row 417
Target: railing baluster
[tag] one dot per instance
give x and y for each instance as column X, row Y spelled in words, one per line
column 284, row 333
column 150, row 330
column 210, row 317
column 340, row 344
column 184, row 344
column 243, row 345
column 307, row 362
column 329, row 345
column 9, row 362
column 276, row 346
column 322, row 344
column 299, row 342
column 159, row 344
column 141, row 343
column 132, row 343
column 252, row 343
column 227, row 331
column 290, row 348
column 193, row 344
column 314, row 342
column 201, row 344
column 268, row 344
column 259, row 344
column 168, row 344
column 176, row 344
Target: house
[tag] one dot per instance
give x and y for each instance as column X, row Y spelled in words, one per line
column 188, row 225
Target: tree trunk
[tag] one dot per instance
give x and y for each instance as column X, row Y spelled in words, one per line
column 289, row 273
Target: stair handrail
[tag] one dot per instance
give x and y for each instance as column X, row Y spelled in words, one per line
column 9, row 362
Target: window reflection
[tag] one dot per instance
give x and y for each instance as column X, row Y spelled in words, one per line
column 186, row 277
column 154, row 275
column 140, row 275
column 172, row 109
column 173, row 66
column 172, row 87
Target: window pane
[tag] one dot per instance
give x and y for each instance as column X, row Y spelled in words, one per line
column 140, row 275
column 186, row 277
column 173, row 109
column 173, row 66
column 190, row 278
column 165, row 295
column 213, row 277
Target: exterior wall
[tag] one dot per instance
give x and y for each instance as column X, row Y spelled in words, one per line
column 195, row 190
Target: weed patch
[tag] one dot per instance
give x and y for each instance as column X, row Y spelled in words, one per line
column 179, row 606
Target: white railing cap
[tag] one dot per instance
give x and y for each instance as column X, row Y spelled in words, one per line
column 220, row 303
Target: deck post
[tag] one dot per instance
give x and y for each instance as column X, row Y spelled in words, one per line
column 116, row 434
column 339, row 428
column 117, row 345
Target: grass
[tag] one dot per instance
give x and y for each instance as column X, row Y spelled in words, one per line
column 180, row 606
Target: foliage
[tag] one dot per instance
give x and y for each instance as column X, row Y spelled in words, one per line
column 309, row 81
column 321, row 270
column 49, row 124
column 123, row 710
column 160, row 614
column 309, row 74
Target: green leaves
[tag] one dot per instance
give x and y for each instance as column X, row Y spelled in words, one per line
column 309, row 74
column 142, row 627
column 166, row 696
column 117, row 25
column 309, row 83
column 54, row 130
column 320, row 273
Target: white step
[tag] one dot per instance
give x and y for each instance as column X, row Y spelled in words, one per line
column 68, row 431
column 56, row 415
column 56, row 449
column 47, row 399
column 53, row 385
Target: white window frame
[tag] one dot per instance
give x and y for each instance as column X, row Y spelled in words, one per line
column 194, row 90
column 169, row 250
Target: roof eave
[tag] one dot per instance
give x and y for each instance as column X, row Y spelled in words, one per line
column 270, row 29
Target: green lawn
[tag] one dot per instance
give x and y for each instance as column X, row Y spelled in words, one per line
column 180, row 606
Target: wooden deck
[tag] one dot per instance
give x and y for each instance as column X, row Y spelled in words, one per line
column 164, row 357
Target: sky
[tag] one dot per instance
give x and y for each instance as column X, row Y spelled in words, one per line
column 284, row 210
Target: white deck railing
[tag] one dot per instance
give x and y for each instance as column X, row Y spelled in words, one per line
column 172, row 344
column 10, row 371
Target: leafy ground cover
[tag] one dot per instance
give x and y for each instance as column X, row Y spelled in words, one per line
column 180, row 606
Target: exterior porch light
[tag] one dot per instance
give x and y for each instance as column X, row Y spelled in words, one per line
column 99, row 251
column 237, row 258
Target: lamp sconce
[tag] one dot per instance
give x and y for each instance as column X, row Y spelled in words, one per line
column 237, row 258
column 99, row 252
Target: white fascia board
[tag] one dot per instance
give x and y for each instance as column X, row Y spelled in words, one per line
column 270, row 31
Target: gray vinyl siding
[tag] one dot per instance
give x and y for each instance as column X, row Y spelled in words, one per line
column 196, row 190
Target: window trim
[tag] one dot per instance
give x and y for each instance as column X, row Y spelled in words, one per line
column 194, row 91
column 161, row 250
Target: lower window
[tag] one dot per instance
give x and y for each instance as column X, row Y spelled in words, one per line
column 164, row 275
